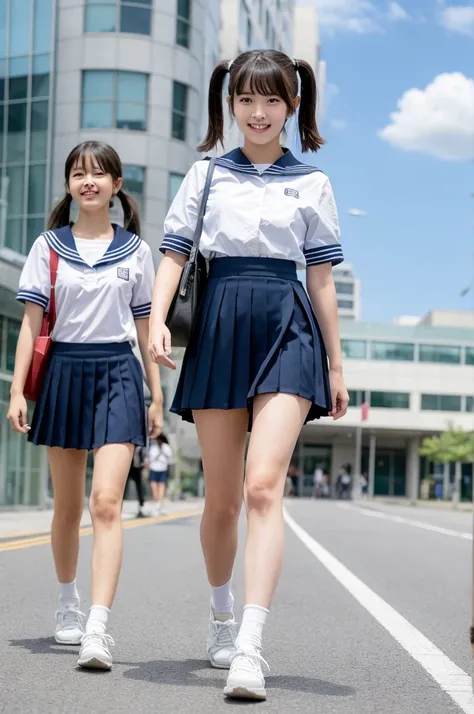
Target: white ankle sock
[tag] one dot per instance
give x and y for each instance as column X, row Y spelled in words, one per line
column 68, row 595
column 222, row 600
column 250, row 633
column 97, row 620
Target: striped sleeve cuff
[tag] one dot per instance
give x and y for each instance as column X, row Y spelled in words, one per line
column 31, row 296
column 324, row 254
column 141, row 310
column 176, row 243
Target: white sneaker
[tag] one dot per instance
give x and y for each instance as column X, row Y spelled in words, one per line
column 69, row 626
column 94, row 652
column 246, row 680
column 221, row 641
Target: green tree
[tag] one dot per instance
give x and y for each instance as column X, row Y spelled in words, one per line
column 453, row 446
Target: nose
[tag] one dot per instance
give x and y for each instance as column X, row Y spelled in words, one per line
column 259, row 112
column 88, row 180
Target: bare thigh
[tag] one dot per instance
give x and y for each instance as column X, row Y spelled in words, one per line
column 222, row 437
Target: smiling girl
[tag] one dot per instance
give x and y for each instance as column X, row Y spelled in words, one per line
column 92, row 396
column 263, row 357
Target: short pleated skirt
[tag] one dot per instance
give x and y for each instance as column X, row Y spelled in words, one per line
column 255, row 333
column 92, row 395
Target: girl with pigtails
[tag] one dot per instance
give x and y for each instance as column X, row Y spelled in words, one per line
column 263, row 357
column 96, row 280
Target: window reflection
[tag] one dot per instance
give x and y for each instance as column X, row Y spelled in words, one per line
column 101, row 18
column 39, row 131
column 18, row 80
column 20, row 23
column 42, row 32
column 16, row 143
column 127, row 105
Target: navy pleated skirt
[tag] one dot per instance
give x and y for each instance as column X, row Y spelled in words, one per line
column 256, row 333
column 92, row 395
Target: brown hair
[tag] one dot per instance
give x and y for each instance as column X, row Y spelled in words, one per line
column 269, row 73
column 109, row 162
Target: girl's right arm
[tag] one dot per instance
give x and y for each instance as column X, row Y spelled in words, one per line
column 166, row 283
column 30, row 329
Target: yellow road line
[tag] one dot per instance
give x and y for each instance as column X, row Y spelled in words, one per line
column 132, row 523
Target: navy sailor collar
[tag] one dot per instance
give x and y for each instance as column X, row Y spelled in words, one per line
column 286, row 165
column 123, row 244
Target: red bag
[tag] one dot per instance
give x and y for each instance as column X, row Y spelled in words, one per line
column 39, row 362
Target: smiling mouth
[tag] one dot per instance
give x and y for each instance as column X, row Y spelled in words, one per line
column 89, row 193
column 259, row 127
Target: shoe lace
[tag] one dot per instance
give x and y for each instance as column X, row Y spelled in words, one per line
column 70, row 618
column 97, row 638
column 249, row 662
column 226, row 633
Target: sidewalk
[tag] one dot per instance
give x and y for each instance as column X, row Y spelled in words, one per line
column 26, row 522
column 464, row 506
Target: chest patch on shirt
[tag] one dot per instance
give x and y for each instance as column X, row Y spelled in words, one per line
column 292, row 192
column 123, row 273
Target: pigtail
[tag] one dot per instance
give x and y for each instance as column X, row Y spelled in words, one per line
column 311, row 139
column 215, row 127
column 60, row 215
column 131, row 219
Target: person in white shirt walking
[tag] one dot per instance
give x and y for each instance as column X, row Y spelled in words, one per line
column 158, row 462
column 92, row 397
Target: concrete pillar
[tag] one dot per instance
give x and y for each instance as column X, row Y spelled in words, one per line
column 413, row 469
column 371, row 474
column 446, row 481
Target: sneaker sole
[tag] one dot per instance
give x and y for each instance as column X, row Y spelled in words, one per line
column 218, row 666
column 72, row 642
column 94, row 663
column 243, row 692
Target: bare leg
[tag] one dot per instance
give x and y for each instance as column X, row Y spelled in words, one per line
column 68, row 473
column 111, row 466
column 222, row 438
column 161, row 490
column 278, row 419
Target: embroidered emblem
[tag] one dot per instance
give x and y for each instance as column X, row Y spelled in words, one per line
column 123, row 273
column 292, row 192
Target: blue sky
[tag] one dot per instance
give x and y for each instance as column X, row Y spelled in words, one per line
column 414, row 249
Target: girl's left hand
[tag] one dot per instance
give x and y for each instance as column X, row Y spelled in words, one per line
column 339, row 395
column 155, row 420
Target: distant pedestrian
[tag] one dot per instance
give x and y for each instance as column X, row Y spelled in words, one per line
column 264, row 354
column 92, row 396
column 158, row 462
column 135, row 474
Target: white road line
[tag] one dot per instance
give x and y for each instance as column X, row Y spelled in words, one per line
column 453, row 680
column 407, row 521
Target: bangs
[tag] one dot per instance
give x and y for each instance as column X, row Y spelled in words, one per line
column 263, row 76
column 100, row 155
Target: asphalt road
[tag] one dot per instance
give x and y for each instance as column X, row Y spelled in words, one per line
column 360, row 593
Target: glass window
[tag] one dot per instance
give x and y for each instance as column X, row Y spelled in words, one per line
column 134, row 183
column 469, row 355
column 183, row 23
column 13, row 330
column 34, row 228
column 440, row 353
column 249, row 32
column 345, row 304
column 356, row 397
column 98, row 84
column 354, row 349
column 399, row 351
column 3, row 28
column 132, row 87
column 127, row 95
column 14, row 234
column 470, row 404
column 16, row 186
column 40, row 79
column 390, row 400
column 97, row 115
column 2, row 117
column 20, row 24
column 344, row 288
column 101, row 18
column 174, row 182
column 18, row 80
column 37, row 189
column 16, row 143
column 135, row 20
column 3, row 74
column 180, row 104
column 42, row 35
column 39, row 131
column 441, row 402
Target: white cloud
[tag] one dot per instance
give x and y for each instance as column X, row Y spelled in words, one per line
column 458, row 18
column 358, row 16
column 396, row 12
column 437, row 120
column 357, row 212
column 339, row 124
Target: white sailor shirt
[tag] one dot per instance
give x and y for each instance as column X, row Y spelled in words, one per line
column 94, row 303
column 287, row 211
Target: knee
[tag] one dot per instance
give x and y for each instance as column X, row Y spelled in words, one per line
column 223, row 514
column 105, row 507
column 260, row 495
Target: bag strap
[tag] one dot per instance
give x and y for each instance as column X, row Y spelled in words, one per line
column 202, row 210
column 53, row 271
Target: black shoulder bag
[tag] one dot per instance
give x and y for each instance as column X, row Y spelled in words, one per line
column 183, row 309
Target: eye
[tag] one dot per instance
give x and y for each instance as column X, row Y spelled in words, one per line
column 276, row 100
column 244, row 100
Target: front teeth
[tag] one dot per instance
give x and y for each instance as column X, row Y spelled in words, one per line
column 259, row 126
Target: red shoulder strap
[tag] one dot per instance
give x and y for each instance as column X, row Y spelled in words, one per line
column 53, row 271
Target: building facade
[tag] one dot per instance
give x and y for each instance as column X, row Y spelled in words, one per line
column 347, row 292
column 133, row 73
